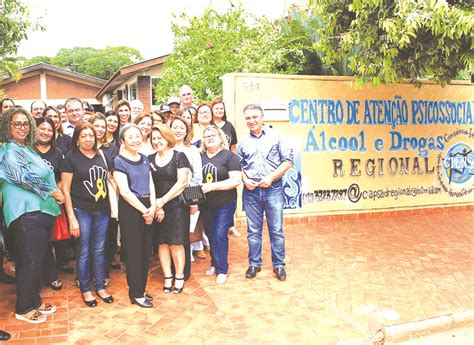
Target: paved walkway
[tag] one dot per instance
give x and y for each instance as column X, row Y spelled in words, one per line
column 417, row 266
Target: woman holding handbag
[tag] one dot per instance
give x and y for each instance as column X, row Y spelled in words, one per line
column 183, row 131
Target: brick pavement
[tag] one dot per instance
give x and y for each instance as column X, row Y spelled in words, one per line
column 419, row 265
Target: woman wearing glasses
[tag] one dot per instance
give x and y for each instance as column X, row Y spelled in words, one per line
column 30, row 205
column 204, row 119
column 221, row 174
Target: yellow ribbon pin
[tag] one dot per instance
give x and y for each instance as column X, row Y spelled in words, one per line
column 209, row 178
column 101, row 190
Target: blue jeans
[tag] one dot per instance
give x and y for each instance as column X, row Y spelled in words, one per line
column 91, row 248
column 255, row 203
column 216, row 225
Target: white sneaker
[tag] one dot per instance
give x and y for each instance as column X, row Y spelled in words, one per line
column 221, row 278
column 211, row 271
column 234, row 232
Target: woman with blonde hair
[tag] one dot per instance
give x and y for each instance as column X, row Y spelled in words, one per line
column 222, row 174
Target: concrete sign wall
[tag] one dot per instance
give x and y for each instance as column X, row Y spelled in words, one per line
column 390, row 147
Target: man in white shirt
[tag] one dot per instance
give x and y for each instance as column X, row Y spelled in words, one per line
column 75, row 114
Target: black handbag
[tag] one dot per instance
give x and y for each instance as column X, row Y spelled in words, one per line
column 192, row 195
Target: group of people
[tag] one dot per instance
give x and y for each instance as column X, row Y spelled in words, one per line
column 125, row 170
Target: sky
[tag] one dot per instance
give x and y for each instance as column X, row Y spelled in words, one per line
column 141, row 24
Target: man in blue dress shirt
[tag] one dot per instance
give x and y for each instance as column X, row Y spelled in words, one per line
column 265, row 157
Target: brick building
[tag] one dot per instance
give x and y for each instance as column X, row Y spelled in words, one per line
column 52, row 85
column 131, row 82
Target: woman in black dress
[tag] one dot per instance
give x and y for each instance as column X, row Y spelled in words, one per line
column 170, row 172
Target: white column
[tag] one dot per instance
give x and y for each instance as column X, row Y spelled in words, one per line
column 43, row 86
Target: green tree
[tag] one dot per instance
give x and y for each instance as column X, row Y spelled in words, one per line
column 400, row 39
column 208, row 46
column 299, row 29
column 100, row 63
column 15, row 23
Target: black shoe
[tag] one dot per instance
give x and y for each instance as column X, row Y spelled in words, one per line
column 90, row 304
column 66, row 269
column 178, row 290
column 146, row 303
column 6, row 279
column 148, row 297
column 108, row 299
column 280, row 273
column 168, row 289
column 4, row 336
column 252, row 272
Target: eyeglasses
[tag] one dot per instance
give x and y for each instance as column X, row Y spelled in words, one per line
column 19, row 124
column 204, row 112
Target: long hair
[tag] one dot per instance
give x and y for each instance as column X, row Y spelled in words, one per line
column 100, row 117
column 140, row 117
column 60, row 127
column 115, row 134
column 204, row 104
column 77, row 132
column 6, row 119
column 39, row 121
column 189, row 130
column 218, row 101
column 3, row 101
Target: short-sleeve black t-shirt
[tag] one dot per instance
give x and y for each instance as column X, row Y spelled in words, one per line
column 217, row 169
column 89, row 180
column 64, row 143
column 110, row 151
column 53, row 158
column 166, row 176
column 230, row 133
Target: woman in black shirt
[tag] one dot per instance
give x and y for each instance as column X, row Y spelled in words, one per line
column 170, row 172
column 84, row 179
column 45, row 146
column 221, row 174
